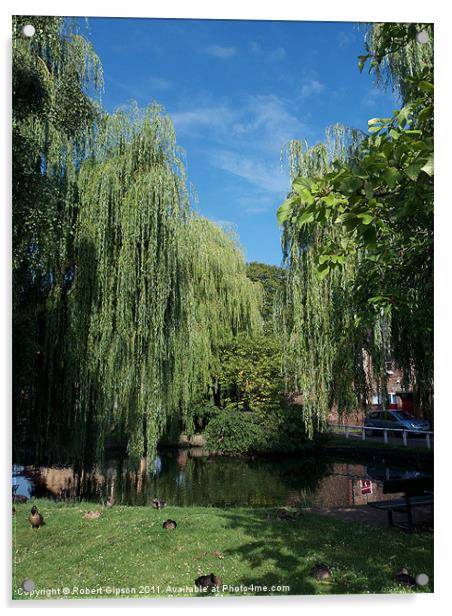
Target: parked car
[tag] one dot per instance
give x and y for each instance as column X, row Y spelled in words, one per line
column 395, row 420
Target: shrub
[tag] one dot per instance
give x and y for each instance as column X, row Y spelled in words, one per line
column 232, row 431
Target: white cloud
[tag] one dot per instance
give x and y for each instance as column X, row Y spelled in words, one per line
column 224, row 53
column 201, row 118
column 246, row 141
column 267, row 176
column 268, row 119
column 311, row 87
column 261, row 123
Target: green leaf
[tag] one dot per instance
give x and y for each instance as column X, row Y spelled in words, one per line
column 374, row 121
column 331, row 200
column 362, row 61
column 394, row 133
column 323, row 270
column 351, row 184
column 403, row 115
column 284, row 211
column 366, row 217
column 368, row 190
column 306, row 217
column 349, row 220
column 428, row 168
column 338, row 259
column 413, row 170
column 370, row 237
column 306, row 196
column 426, row 86
column 391, row 176
column 302, row 182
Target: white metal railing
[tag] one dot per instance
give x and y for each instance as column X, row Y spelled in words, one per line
column 361, row 431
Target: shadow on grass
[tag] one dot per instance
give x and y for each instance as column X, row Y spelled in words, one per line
column 362, row 559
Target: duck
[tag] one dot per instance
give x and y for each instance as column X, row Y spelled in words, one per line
column 109, row 502
column 321, row 572
column 35, row 518
column 157, row 503
column 208, row 581
column 285, row 515
column 169, row 524
column 403, row 577
column 92, row 515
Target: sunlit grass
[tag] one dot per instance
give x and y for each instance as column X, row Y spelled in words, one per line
column 127, row 548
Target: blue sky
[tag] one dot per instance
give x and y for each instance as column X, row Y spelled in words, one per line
column 237, row 92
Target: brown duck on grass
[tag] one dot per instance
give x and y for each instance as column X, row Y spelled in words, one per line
column 321, row 572
column 35, row 518
column 92, row 515
column 208, row 581
column 157, row 503
column 403, row 577
column 169, row 524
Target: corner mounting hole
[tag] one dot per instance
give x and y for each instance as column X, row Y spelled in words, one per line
column 28, row 30
column 422, row 37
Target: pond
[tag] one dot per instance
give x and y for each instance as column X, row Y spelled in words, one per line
column 188, row 477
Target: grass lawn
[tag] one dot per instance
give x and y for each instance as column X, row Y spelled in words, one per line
column 127, row 549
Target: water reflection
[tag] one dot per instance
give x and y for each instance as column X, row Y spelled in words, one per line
column 191, row 477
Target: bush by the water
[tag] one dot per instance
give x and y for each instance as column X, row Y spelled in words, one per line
column 233, row 431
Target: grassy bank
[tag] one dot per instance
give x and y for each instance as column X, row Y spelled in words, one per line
column 127, row 548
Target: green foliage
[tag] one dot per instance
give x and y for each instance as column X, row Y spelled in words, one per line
column 272, row 278
column 123, row 295
column 395, row 55
column 251, row 375
column 158, row 288
column 233, row 432
column 323, row 347
column 369, row 216
column 51, row 133
column 200, row 415
column 291, row 434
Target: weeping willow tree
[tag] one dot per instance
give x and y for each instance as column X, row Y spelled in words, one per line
column 326, row 339
column 136, row 292
column 399, row 53
column 52, row 127
column 358, row 236
column 221, row 303
column 157, row 290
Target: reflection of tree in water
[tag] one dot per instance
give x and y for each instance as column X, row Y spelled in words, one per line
column 188, row 477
